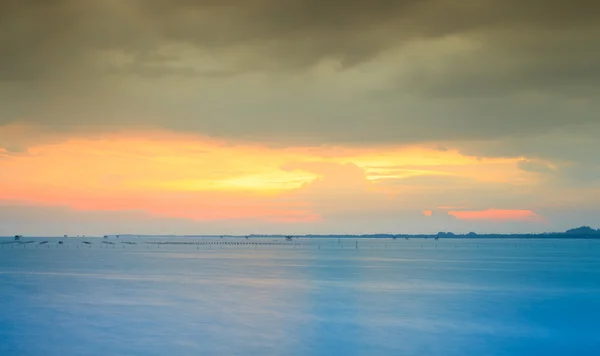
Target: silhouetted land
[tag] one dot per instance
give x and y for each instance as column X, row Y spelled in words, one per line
column 584, row 232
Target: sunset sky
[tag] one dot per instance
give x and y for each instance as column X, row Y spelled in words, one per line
column 298, row 116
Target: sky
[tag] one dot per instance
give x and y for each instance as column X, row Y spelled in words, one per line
column 298, row 116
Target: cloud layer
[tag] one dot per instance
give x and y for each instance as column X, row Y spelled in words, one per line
column 301, row 69
column 488, row 79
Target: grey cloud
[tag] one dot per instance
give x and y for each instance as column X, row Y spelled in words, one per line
column 535, row 166
column 567, row 158
column 512, row 61
column 148, row 70
column 578, row 143
column 533, row 68
column 352, row 29
column 581, row 175
column 45, row 35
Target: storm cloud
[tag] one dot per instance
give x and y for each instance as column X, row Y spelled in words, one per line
column 304, row 71
column 38, row 35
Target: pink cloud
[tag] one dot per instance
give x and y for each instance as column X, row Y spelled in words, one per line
column 496, row 215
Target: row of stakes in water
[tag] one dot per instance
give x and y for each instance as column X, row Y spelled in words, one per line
column 209, row 243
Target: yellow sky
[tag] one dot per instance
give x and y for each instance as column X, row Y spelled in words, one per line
column 202, row 178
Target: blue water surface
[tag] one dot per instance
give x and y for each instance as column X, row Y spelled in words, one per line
column 308, row 297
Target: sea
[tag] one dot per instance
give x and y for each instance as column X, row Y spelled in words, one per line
column 308, row 296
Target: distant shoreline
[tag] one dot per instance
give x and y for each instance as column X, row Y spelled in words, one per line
column 583, row 232
column 564, row 236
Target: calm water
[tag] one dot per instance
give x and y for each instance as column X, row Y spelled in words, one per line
column 315, row 297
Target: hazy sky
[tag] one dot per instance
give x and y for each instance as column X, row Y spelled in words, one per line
column 298, row 116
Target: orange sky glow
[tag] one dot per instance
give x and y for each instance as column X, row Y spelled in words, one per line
column 496, row 215
column 202, row 178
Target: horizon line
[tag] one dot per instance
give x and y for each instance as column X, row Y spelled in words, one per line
column 583, row 231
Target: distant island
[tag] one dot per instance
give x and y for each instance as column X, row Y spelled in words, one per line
column 583, row 232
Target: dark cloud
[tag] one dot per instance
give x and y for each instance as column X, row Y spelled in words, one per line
column 302, row 32
column 458, row 70
column 511, row 62
column 39, row 36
